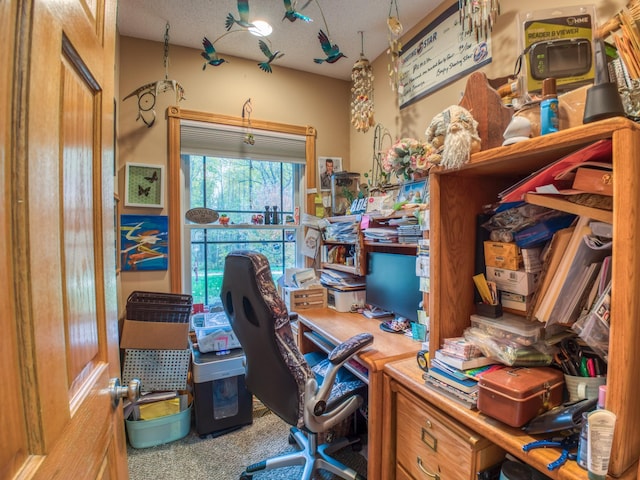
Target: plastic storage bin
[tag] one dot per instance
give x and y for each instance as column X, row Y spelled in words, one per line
column 509, row 327
column 345, row 187
column 158, row 431
column 221, row 400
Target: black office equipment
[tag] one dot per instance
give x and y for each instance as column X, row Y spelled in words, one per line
column 222, row 402
column 392, row 284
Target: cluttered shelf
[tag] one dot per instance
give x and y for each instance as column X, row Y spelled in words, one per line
column 341, row 267
column 510, row 174
column 390, row 245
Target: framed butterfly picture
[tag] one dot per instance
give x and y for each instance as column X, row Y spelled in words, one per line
column 144, row 185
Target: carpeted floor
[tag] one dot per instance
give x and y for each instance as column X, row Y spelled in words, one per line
column 225, row 457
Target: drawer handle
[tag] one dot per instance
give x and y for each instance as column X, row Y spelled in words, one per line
column 435, row 476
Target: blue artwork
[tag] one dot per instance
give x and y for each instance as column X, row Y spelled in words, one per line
column 143, row 242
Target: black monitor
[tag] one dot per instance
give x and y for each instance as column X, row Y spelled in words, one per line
column 392, row 284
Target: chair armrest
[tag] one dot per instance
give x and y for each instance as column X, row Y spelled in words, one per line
column 316, row 417
column 350, row 347
column 338, row 356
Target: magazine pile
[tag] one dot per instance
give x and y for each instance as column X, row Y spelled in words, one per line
column 455, row 370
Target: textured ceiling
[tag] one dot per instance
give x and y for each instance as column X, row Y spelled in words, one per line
column 191, row 20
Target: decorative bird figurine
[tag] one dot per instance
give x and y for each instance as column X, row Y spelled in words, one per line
column 266, row 66
column 243, row 13
column 292, row 15
column 332, row 52
column 210, row 54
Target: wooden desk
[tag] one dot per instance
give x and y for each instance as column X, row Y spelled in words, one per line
column 407, row 374
column 336, row 327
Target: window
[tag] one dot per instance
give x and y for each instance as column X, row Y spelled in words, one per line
column 220, row 172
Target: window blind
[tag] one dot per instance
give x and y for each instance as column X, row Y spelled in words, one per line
column 227, row 141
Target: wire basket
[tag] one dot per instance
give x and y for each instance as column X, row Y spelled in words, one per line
column 159, row 307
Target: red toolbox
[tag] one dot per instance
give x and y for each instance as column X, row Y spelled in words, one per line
column 516, row 395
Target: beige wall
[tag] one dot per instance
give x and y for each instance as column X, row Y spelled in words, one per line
column 286, row 96
column 413, row 120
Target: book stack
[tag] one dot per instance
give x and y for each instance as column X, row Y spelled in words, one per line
column 409, row 233
column 455, row 370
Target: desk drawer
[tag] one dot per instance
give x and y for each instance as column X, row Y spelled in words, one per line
column 432, row 445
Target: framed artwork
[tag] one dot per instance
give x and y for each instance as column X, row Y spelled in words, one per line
column 327, row 166
column 144, row 242
column 413, row 192
column 144, row 185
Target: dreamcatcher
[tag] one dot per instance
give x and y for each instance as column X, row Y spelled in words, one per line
column 362, row 92
column 147, row 93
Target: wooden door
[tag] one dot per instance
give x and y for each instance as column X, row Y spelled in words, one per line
column 57, row 260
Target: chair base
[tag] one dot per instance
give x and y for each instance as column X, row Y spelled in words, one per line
column 311, row 456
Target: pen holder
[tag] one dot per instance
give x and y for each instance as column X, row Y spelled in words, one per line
column 583, row 387
column 491, row 311
column 418, row 331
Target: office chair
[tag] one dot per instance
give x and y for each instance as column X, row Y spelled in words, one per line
column 280, row 376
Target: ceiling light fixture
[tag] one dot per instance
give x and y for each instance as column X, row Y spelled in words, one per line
column 260, row 28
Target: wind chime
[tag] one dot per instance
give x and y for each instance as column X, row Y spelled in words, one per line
column 362, row 92
column 478, row 16
column 147, row 93
column 247, row 108
column 395, row 46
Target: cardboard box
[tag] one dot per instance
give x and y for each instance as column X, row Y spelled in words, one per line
column 502, row 255
column 154, row 335
column 514, row 281
column 515, row 301
column 531, row 259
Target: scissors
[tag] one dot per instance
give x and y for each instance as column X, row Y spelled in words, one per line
column 570, row 357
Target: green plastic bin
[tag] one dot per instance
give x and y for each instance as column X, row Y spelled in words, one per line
column 149, row 433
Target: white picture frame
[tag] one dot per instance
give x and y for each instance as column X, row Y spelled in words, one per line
column 144, row 185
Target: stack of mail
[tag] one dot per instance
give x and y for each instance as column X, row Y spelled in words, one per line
column 346, row 232
column 409, row 233
column 381, row 234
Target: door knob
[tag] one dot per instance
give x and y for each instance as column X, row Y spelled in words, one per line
column 132, row 391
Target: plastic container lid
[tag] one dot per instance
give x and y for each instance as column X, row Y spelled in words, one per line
column 509, row 327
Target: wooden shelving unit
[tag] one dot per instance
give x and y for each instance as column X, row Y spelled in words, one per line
column 458, row 196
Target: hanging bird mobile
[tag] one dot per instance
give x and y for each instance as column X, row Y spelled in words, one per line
column 243, row 16
column 210, row 54
column 266, row 66
column 292, row 14
column 332, row 52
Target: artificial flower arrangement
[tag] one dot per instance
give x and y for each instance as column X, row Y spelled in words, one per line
column 408, row 157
